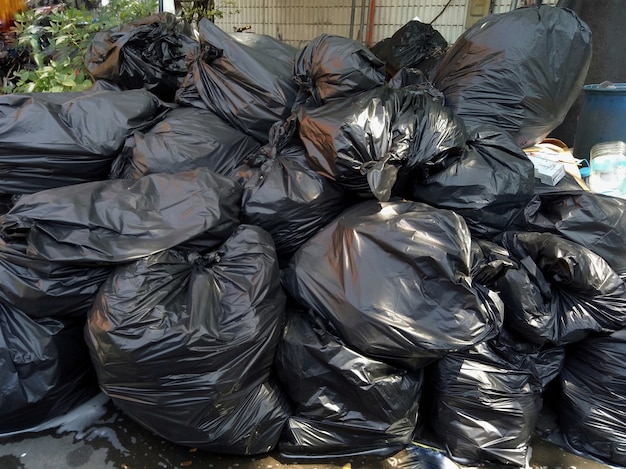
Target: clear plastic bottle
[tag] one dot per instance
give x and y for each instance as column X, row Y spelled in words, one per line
column 608, row 169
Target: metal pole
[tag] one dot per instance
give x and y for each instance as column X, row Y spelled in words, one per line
column 352, row 13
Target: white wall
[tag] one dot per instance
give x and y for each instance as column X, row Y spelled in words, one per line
column 298, row 21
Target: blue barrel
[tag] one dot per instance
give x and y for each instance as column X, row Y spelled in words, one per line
column 602, row 117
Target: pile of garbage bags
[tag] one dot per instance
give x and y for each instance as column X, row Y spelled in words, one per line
column 250, row 247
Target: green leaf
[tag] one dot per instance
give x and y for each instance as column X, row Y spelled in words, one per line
column 61, row 39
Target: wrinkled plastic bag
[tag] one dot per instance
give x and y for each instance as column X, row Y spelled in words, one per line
column 560, row 291
column 592, row 407
column 489, row 184
column 42, row 289
column 186, row 139
column 120, row 220
column 58, row 139
column 46, row 370
column 283, row 195
column 248, row 87
column 368, row 144
column 488, row 399
column 145, row 53
column 345, row 402
column 183, row 342
column 393, row 280
column 519, row 71
column 334, row 67
column 595, row 221
column 414, row 45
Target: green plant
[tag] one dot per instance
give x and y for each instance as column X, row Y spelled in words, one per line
column 192, row 11
column 58, row 39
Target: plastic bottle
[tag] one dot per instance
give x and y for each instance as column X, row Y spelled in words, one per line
column 608, row 168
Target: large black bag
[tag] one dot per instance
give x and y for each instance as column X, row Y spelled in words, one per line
column 519, row 71
column 283, row 195
column 596, row 221
column 345, row 403
column 592, row 407
column 145, row 53
column 46, row 370
column 334, row 67
column 489, row 184
column 370, row 143
column 393, row 280
column 248, row 87
column 184, row 341
column 186, row 139
column 58, row 139
column 560, row 291
column 119, row 220
column 488, row 399
column 46, row 289
column 414, row 45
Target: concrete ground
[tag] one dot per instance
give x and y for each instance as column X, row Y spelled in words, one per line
column 96, row 435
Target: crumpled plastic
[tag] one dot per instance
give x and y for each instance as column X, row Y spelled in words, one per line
column 58, row 139
column 249, row 87
column 393, row 280
column 371, row 142
column 334, row 67
column 488, row 399
column 184, row 341
column 520, row 71
column 119, row 220
column 283, row 195
column 187, row 138
column 490, row 183
column 46, row 370
column 345, row 403
column 592, row 408
column 145, row 53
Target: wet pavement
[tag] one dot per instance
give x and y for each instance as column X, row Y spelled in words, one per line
column 96, row 435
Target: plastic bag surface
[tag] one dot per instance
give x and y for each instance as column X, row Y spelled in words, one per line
column 58, row 139
column 345, row 402
column 248, row 87
column 561, row 291
column 489, row 184
column 145, row 53
column 334, row 67
column 393, row 280
column 120, row 220
column 183, row 342
column 186, row 139
column 282, row 193
column 45, row 372
column 519, row 71
column 488, row 399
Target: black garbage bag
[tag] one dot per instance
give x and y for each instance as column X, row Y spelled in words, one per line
column 393, row 280
column 334, row 67
column 414, row 45
column 560, row 291
column 595, row 221
column 144, row 53
column 283, row 195
column 46, row 369
column 488, row 399
column 46, row 289
column 183, row 342
column 369, row 143
column 344, row 402
column 489, row 184
column 59, row 139
column 119, row 220
column 248, row 87
column 519, row 71
column 592, row 407
column 186, row 139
